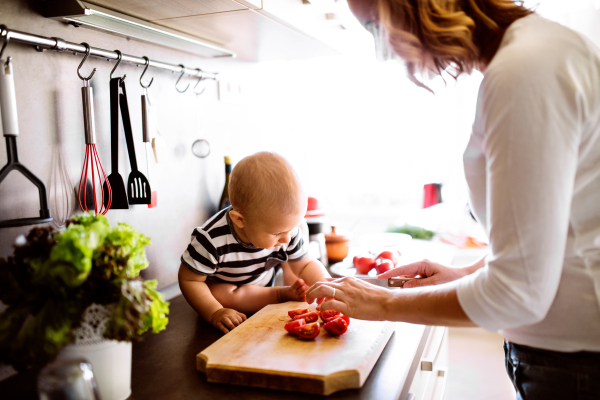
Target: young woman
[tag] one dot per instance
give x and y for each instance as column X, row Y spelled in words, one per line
column 533, row 169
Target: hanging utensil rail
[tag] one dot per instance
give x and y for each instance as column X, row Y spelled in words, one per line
column 42, row 43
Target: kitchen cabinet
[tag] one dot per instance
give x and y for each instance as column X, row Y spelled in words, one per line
column 164, row 365
column 255, row 30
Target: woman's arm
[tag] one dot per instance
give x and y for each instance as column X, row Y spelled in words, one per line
column 434, row 305
column 431, row 273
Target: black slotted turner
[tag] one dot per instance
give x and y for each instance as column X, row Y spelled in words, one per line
column 138, row 187
column 119, row 195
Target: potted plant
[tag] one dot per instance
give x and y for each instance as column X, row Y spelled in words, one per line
column 78, row 289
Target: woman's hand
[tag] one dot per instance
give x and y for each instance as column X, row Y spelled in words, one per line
column 353, row 297
column 431, row 273
column 226, row 319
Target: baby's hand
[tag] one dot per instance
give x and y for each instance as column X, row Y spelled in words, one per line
column 300, row 288
column 225, row 318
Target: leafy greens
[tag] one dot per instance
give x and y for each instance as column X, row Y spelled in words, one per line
column 50, row 280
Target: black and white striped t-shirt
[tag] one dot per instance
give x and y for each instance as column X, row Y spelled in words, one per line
column 217, row 252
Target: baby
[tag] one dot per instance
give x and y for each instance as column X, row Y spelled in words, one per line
column 229, row 267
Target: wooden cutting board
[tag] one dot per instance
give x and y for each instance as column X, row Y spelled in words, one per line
column 260, row 352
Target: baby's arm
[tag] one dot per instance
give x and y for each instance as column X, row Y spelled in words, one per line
column 198, row 295
column 251, row 298
column 309, row 269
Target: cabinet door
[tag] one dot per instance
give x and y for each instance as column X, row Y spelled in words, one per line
column 156, row 10
column 430, row 379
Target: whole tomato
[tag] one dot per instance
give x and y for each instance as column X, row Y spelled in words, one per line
column 383, row 265
column 309, row 331
column 364, row 264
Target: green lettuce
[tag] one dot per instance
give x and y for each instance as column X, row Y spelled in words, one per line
column 50, row 280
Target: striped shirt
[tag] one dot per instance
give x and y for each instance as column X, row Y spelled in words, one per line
column 217, row 252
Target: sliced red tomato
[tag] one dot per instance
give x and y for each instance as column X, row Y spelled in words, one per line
column 293, row 324
column 345, row 318
column 364, row 264
column 308, row 317
column 308, row 331
column 393, row 256
column 383, row 265
column 328, row 315
column 336, row 326
column 298, row 311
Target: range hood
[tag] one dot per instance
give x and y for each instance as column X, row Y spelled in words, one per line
column 81, row 13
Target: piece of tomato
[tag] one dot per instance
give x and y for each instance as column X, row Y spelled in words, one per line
column 393, row 256
column 342, row 316
column 298, row 311
column 293, row 324
column 364, row 264
column 383, row 265
column 308, row 317
column 308, row 331
column 328, row 315
column 336, row 326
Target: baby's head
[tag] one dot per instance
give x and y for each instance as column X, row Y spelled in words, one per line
column 267, row 199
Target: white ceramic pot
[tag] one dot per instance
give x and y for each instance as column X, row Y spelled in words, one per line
column 110, row 359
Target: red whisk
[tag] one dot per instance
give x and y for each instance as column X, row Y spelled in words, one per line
column 91, row 161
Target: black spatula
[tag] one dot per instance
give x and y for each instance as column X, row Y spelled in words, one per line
column 138, row 187
column 119, row 195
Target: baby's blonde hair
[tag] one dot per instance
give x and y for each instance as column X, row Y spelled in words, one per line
column 265, row 182
column 432, row 35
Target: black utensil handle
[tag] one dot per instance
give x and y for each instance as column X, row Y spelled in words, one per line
column 114, row 124
column 127, row 128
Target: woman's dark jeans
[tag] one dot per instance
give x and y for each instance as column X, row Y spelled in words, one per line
column 547, row 375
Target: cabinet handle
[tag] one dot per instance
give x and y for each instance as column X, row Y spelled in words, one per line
column 437, row 389
column 434, row 344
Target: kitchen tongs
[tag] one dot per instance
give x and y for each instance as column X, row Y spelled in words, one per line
column 138, row 187
column 10, row 127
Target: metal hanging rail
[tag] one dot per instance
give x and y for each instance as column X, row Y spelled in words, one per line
column 42, row 43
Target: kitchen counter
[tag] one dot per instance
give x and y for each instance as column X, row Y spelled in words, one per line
column 164, row 365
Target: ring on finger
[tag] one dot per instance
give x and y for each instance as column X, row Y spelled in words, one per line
column 333, row 294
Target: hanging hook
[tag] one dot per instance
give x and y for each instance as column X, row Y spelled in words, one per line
column 117, row 64
column 87, row 54
column 6, row 40
column 200, row 78
column 181, row 76
column 145, row 68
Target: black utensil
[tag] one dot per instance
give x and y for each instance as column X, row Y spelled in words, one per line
column 138, row 187
column 119, row 195
column 10, row 127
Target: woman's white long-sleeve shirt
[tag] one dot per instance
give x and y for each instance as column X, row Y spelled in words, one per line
column 533, row 170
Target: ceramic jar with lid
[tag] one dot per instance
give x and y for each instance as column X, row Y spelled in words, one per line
column 337, row 246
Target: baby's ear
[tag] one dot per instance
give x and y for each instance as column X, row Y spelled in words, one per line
column 237, row 218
